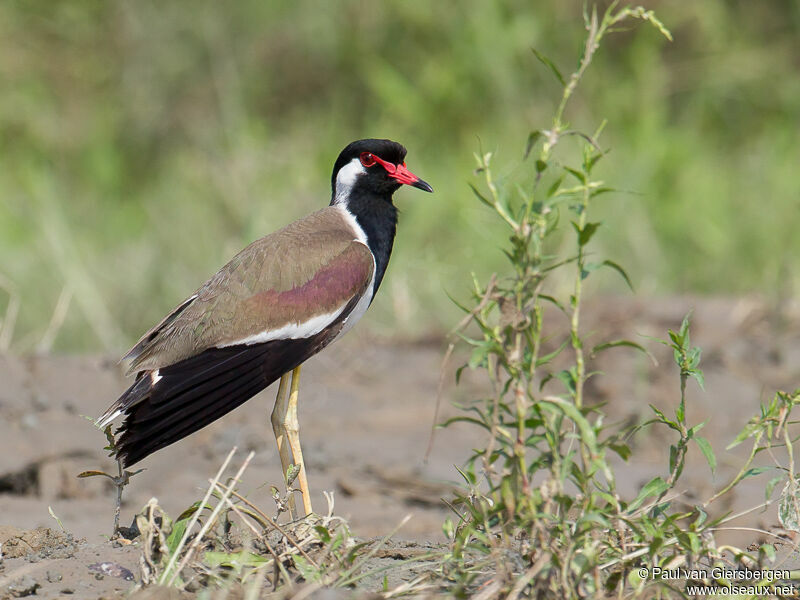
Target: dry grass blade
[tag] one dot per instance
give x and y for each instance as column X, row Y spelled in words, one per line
column 211, row 519
column 275, row 558
column 195, row 517
column 271, row 523
column 348, row 577
column 270, row 549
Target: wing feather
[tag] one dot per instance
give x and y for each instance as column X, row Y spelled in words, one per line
column 292, row 283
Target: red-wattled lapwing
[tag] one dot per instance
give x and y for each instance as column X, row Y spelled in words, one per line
column 275, row 304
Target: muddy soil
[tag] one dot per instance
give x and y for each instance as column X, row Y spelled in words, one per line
column 366, row 409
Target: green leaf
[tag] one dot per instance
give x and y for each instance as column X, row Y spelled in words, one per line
column 472, row 420
column 323, row 533
column 579, row 175
column 567, row 378
column 771, row 486
column 746, row 432
column 554, row 301
column 697, row 374
column 752, row 472
column 570, row 410
column 611, row 264
column 543, row 360
column 769, row 551
column 620, row 343
column 590, row 162
column 235, row 560
column 554, row 186
column 685, row 326
column 673, row 457
column 585, row 234
column 110, row 437
column 623, row 450
column 550, row 65
column 680, row 412
column 662, row 418
column 708, row 452
column 533, row 137
column 186, row 514
column 481, row 197
column 477, row 357
column 655, row 487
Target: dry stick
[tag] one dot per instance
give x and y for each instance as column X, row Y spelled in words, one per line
column 195, row 517
column 272, row 524
column 211, row 519
column 120, row 483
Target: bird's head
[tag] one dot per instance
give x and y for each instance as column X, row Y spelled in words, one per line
column 374, row 167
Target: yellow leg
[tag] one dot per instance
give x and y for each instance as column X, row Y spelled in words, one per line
column 287, row 434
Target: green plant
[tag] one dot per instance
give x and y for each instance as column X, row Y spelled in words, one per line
column 225, row 541
column 541, row 514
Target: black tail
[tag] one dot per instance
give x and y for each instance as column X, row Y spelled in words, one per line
column 188, row 395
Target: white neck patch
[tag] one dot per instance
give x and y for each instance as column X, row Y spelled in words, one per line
column 346, row 179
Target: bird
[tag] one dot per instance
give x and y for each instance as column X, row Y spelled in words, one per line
column 278, row 302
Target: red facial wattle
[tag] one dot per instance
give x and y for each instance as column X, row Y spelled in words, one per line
column 399, row 173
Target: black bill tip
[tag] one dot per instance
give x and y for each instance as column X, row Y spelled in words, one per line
column 422, row 185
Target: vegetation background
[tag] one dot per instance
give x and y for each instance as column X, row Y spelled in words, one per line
column 144, row 143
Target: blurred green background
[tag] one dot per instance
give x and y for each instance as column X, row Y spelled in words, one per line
column 144, row 143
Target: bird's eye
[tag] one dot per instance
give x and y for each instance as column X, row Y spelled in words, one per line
column 367, row 159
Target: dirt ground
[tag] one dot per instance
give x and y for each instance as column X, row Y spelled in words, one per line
column 366, row 409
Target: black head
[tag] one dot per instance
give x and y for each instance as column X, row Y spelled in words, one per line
column 372, row 167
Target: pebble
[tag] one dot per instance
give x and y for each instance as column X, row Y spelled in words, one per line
column 26, row 586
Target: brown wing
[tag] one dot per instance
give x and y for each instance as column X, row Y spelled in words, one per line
column 283, row 285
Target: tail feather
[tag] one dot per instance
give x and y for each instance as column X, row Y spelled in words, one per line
column 174, row 393
column 136, row 446
column 183, row 414
column 164, row 406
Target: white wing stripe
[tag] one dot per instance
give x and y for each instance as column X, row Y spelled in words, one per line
column 290, row 331
column 313, row 326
